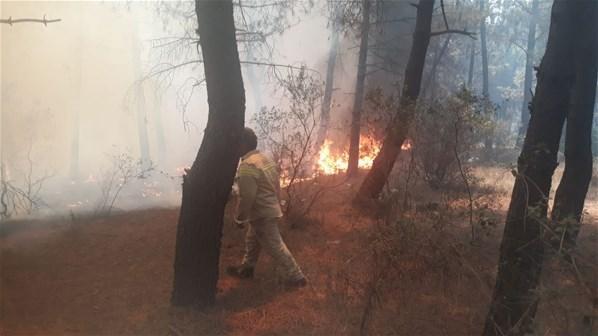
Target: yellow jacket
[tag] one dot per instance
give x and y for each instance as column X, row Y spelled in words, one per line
column 259, row 185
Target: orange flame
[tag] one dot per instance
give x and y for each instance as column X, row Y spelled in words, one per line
column 329, row 163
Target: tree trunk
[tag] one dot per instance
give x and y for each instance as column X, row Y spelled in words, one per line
column 515, row 297
column 353, row 168
column 471, row 66
column 397, row 131
column 76, row 108
column 485, row 85
column 571, row 193
column 159, row 128
column 253, row 80
column 207, row 185
column 529, row 70
column 144, row 149
column 328, row 88
column 484, row 51
column 437, row 58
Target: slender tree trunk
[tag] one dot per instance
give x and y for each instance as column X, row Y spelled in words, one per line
column 484, row 51
column 571, row 192
column 515, row 297
column 329, row 86
column 207, row 185
column 397, row 131
column 140, row 104
column 471, row 66
column 437, row 58
column 353, row 168
column 529, row 70
column 76, row 109
column 488, row 143
column 159, row 128
column 254, row 82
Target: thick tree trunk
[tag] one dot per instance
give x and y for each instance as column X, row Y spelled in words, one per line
column 522, row 251
column 207, row 185
column 329, row 86
column 353, row 168
column 397, row 131
column 571, row 193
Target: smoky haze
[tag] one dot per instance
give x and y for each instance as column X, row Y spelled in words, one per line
column 72, row 106
column 116, row 87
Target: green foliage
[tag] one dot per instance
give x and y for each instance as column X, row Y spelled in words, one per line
column 448, row 129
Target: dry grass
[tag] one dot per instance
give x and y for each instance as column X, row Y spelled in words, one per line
column 418, row 276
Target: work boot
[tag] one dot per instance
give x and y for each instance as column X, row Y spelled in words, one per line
column 240, row 272
column 297, row 283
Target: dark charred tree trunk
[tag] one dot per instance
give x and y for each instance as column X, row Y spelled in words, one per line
column 353, row 168
column 571, row 192
column 529, row 70
column 397, row 131
column 329, row 86
column 207, row 185
column 515, row 298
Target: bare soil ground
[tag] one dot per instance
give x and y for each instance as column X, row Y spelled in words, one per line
column 113, row 275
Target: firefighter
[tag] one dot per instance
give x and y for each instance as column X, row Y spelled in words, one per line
column 258, row 184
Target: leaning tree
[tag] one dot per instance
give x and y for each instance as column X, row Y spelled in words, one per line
column 207, row 184
column 566, row 89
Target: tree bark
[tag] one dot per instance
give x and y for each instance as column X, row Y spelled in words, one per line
column 353, row 165
column 515, row 298
column 573, row 187
column 207, row 185
column 329, row 86
column 397, row 131
column 529, row 70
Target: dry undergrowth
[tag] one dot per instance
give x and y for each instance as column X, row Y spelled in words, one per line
column 410, row 268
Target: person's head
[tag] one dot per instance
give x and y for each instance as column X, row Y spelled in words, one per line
column 248, row 141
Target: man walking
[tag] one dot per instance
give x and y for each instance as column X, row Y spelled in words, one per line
column 259, row 206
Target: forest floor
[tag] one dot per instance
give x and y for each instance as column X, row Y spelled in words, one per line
column 113, row 275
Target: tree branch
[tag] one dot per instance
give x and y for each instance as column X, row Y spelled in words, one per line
column 454, row 31
column 444, row 15
column 45, row 21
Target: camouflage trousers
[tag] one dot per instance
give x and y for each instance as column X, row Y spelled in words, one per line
column 264, row 234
